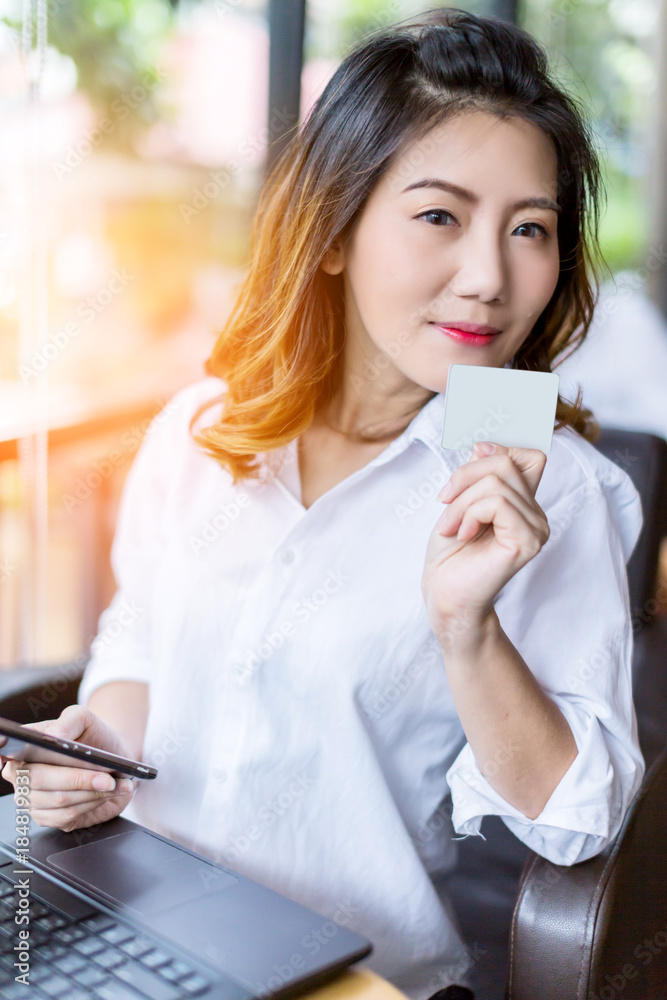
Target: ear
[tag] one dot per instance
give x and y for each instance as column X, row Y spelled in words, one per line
column 333, row 261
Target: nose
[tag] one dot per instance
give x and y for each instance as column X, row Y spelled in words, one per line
column 480, row 267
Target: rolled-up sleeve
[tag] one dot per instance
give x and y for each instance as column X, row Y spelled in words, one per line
column 121, row 649
column 568, row 614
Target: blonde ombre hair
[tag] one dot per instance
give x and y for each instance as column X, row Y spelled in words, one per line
column 280, row 351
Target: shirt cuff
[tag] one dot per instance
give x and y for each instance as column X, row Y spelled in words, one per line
column 583, row 813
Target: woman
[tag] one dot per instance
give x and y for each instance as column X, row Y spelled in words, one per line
column 314, row 654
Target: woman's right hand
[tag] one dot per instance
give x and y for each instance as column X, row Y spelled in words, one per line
column 70, row 798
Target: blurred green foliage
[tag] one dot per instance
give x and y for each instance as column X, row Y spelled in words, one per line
column 114, row 45
column 625, row 225
column 597, row 50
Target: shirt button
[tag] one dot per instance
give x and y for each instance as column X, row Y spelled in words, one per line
column 286, row 556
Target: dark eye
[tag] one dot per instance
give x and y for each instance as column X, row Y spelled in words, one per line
column 437, row 213
column 534, row 225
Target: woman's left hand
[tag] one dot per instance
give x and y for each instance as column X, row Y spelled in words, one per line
column 492, row 526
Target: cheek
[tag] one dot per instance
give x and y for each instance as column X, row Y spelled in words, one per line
column 387, row 271
column 536, row 282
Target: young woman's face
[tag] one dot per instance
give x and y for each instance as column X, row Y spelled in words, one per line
column 423, row 256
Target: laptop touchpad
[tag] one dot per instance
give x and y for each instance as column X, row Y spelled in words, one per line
column 141, row 872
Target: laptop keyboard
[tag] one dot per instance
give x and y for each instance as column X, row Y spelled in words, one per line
column 94, row 958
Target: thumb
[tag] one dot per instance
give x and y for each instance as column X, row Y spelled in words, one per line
column 76, row 722
column 70, row 724
column 483, row 449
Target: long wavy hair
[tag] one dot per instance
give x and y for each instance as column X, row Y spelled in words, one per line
column 280, row 351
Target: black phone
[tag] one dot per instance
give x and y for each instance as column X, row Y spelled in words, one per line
column 21, row 743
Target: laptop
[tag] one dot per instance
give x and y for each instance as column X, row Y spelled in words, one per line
column 117, row 912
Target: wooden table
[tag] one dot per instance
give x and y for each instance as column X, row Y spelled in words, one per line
column 357, row 984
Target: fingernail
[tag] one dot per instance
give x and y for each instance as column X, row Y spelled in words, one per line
column 485, row 447
column 445, row 491
column 104, row 782
column 124, row 785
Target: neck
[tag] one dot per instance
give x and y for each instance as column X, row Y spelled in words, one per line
column 357, row 422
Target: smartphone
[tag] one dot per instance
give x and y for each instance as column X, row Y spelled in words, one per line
column 21, row 743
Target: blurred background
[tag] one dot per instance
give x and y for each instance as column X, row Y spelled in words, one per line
column 135, row 137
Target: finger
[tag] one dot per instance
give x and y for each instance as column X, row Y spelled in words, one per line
column 42, row 726
column 71, row 724
column 490, row 485
column 53, row 727
column 57, row 777
column 478, row 467
column 62, row 800
column 530, row 462
column 103, row 813
column 10, row 767
column 75, row 817
column 510, row 529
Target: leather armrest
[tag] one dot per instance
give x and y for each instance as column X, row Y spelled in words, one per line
column 643, row 457
column 598, row 929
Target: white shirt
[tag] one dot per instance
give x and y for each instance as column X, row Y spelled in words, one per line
column 300, row 713
column 622, row 364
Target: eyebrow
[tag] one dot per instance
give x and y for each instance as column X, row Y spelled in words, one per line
column 435, row 182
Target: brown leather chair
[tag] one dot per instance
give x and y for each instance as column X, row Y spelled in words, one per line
column 593, row 931
column 598, row 930
column 543, row 931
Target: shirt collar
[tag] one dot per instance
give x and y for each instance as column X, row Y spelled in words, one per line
column 426, row 427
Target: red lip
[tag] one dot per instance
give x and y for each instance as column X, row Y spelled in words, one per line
column 479, row 329
column 463, row 337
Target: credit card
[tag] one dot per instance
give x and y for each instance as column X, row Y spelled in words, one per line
column 512, row 408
